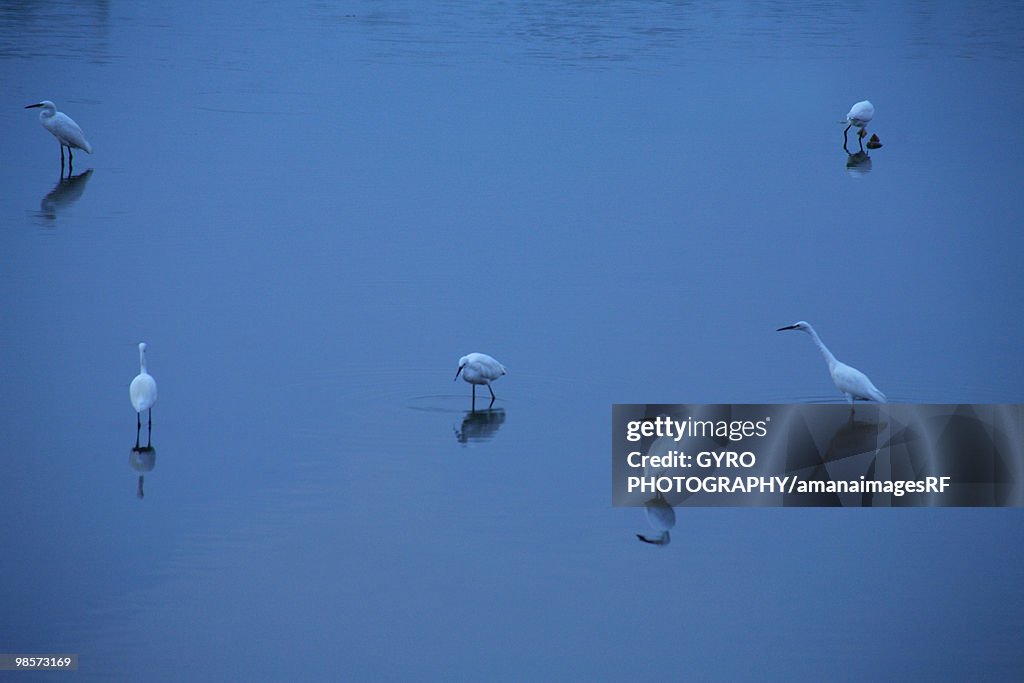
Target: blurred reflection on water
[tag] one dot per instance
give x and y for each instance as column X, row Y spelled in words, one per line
column 662, row 519
column 66, row 192
column 142, row 459
column 858, row 163
column 480, row 425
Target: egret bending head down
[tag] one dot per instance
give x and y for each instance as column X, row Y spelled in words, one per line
column 858, row 117
column 67, row 132
column 479, row 368
column 142, row 393
column 849, row 380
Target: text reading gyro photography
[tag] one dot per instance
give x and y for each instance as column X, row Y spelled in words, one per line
column 818, row 455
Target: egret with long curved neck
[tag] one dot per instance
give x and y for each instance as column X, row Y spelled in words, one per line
column 68, row 133
column 849, row 380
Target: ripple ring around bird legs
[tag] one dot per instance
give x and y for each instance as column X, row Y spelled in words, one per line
column 479, row 368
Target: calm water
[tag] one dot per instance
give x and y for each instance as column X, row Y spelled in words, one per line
column 310, row 211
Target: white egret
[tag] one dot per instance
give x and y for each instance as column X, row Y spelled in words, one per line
column 67, row 132
column 851, row 381
column 479, row 368
column 143, row 394
column 858, row 117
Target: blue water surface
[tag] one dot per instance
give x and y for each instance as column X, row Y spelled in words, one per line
column 310, row 211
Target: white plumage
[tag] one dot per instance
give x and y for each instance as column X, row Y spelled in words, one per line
column 849, row 380
column 142, row 391
column 479, row 368
column 61, row 126
column 858, row 117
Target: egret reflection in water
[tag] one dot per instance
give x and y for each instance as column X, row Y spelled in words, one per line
column 852, row 453
column 66, row 192
column 858, row 163
column 828, row 445
column 142, row 460
column 480, row 425
column 855, row 437
column 662, row 518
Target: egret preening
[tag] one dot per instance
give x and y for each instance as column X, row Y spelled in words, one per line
column 479, row 368
column 67, row 132
column 143, row 395
column 851, row 381
column 858, row 117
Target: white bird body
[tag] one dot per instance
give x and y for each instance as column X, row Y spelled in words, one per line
column 858, row 117
column 479, row 368
column 849, row 380
column 143, row 391
column 143, row 388
column 68, row 133
column 860, row 114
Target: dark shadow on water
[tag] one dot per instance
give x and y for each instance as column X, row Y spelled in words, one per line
column 480, row 425
column 65, row 193
column 142, row 460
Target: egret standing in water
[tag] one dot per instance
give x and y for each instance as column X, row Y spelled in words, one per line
column 143, row 395
column 67, row 132
column 858, row 117
column 479, row 368
column 851, row 381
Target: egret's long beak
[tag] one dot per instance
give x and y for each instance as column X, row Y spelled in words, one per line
column 30, row 106
column 787, row 327
column 457, row 373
